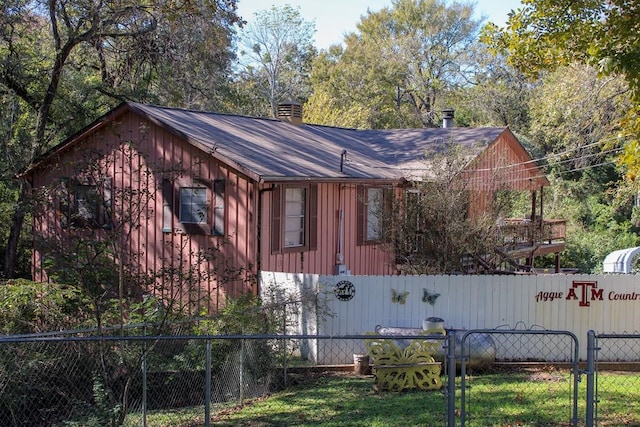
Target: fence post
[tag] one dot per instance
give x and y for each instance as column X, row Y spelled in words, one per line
column 144, row 382
column 451, row 379
column 590, row 372
column 207, row 385
column 284, row 346
column 241, row 381
column 463, row 380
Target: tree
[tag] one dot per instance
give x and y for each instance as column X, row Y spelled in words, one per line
column 497, row 95
column 400, row 64
column 276, row 54
column 575, row 118
column 349, row 90
column 544, row 35
column 428, row 228
column 61, row 62
column 193, row 63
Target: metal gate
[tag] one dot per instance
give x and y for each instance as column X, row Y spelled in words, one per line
column 514, row 376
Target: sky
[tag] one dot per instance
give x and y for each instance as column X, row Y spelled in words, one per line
column 334, row 18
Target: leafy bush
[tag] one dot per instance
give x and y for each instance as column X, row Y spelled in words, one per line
column 101, row 379
column 30, row 307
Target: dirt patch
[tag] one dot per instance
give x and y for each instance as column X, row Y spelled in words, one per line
column 546, row 376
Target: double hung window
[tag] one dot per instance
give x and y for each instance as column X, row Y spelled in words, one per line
column 295, row 215
column 373, row 204
column 294, row 218
column 84, row 204
column 193, row 205
column 194, row 209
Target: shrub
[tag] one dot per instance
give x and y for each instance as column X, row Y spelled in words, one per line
column 31, row 307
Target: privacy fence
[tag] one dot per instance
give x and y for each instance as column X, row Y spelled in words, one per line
column 607, row 304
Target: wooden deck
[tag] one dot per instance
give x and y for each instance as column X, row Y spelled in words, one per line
column 521, row 241
column 524, row 240
column 537, row 250
column 523, row 237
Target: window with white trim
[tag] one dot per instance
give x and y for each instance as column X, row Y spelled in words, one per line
column 294, row 216
column 374, row 213
column 194, row 207
column 372, row 202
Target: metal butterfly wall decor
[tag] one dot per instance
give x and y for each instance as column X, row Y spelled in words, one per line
column 429, row 297
column 398, row 297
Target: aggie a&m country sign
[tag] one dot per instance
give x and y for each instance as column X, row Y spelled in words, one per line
column 585, row 292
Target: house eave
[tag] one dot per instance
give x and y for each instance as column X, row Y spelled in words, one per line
column 316, row 179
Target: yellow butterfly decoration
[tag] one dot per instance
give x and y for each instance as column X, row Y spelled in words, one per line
column 398, row 297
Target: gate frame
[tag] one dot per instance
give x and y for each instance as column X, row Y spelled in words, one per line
column 574, row 364
column 593, row 348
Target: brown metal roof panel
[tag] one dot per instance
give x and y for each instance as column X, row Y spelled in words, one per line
column 272, row 148
column 269, row 147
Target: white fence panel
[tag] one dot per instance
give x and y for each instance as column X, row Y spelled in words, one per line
column 574, row 303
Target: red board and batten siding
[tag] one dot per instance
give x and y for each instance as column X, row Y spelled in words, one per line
column 358, row 259
column 161, row 150
column 155, row 152
column 504, row 164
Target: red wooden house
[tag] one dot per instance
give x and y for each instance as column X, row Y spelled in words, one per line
column 266, row 194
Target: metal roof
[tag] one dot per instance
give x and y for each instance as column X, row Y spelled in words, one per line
column 276, row 150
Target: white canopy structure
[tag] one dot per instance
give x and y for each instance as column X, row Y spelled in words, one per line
column 620, row 261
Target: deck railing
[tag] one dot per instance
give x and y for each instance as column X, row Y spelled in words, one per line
column 519, row 232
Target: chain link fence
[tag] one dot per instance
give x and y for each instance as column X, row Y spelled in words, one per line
column 132, row 381
column 489, row 377
column 85, row 380
column 617, row 379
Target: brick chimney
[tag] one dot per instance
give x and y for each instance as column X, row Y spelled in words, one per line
column 290, row 111
column 447, row 118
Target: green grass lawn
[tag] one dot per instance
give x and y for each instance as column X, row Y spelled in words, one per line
column 344, row 400
column 524, row 398
column 521, row 399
